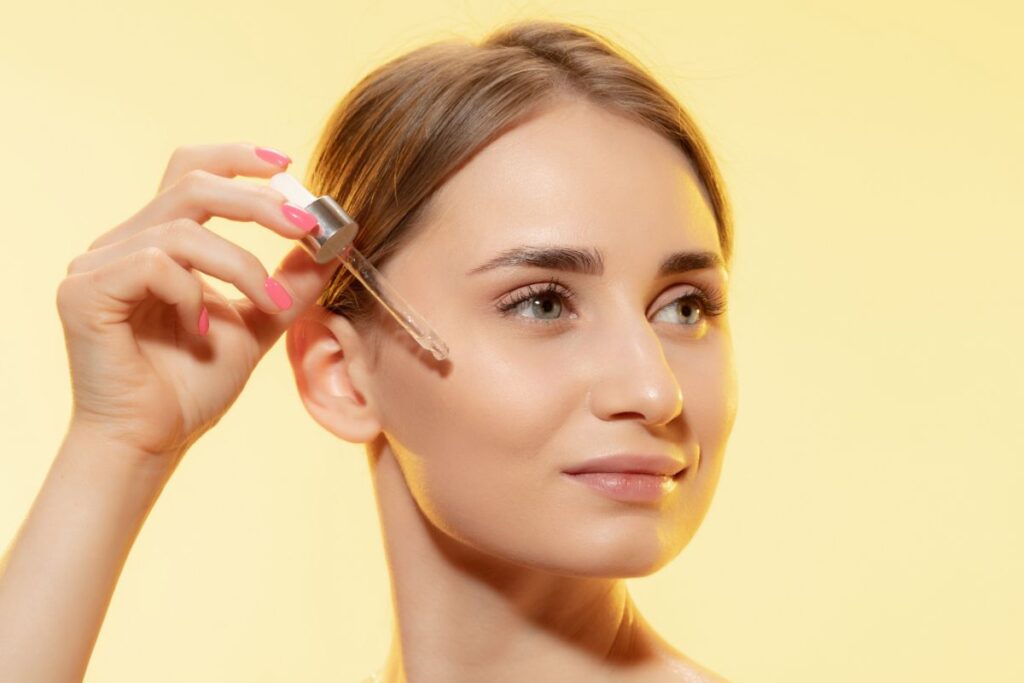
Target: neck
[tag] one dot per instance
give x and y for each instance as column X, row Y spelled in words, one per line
column 461, row 615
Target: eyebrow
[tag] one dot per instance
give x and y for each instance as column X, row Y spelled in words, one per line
column 590, row 261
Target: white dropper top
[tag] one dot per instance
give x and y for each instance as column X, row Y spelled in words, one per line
column 292, row 189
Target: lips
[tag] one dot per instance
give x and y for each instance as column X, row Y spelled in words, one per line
column 631, row 463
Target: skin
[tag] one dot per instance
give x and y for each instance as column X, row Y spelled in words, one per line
column 503, row 568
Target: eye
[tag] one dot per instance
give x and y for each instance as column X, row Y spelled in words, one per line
column 541, row 299
column 709, row 304
column 545, row 302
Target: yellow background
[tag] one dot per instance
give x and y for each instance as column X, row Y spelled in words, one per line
column 868, row 524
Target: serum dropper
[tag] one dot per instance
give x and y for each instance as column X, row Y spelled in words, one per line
column 333, row 239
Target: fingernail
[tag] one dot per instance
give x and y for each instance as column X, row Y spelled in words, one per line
column 299, row 217
column 204, row 321
column 273, row 156
column 277, row 293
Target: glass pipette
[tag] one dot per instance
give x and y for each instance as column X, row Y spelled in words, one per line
column 333, row 238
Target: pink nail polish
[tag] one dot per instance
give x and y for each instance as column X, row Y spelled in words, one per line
column 204, row 321
column 273, row 156
column 277, row 293
column 299, row 217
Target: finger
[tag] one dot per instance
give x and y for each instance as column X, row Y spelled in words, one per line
column 304, row 279
column 109, row 294
column 200, row 195
column 192, row 246
column 224, row 159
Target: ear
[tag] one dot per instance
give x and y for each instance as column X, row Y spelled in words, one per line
column 333, row 372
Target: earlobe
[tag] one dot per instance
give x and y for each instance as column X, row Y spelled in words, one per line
column 329, row 361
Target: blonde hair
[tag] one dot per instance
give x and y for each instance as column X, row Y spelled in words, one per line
column 399, row 133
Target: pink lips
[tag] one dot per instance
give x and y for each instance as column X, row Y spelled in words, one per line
column 631, row 462
column 629, row 488
column 629, row 477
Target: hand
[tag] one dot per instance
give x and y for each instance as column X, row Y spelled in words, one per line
column 142, row 371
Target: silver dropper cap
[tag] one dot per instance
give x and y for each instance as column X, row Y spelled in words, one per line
column 336, row 229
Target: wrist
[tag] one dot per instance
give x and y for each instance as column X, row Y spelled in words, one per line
column 114, row 456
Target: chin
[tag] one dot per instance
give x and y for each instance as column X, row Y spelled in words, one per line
column 603, row 556
column 607, row 566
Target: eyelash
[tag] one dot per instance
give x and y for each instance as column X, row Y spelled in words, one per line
column 711, row 299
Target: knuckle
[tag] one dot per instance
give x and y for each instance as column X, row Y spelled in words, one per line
column 248, row 263
column 69, row 296
column 152, row 259
column 193, row 180
column 180, row 228
column 64, row 291
column 269, row 194
column 182, row 151
column 74, row 266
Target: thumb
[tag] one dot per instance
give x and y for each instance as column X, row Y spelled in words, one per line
column 304, row 279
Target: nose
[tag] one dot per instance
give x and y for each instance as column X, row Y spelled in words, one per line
column 632, row 376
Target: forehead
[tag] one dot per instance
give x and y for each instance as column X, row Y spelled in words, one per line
column 573, row 174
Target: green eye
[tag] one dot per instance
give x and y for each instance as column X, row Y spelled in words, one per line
column 553, row 291
column 547, row 302
column 709, row 303
column 686, row 308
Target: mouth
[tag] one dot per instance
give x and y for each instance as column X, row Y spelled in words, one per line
column 631, row 463
column 630, row 487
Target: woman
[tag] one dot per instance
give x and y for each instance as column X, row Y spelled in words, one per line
column 558, row 219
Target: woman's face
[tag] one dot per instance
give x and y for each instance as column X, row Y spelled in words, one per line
column 622, row 360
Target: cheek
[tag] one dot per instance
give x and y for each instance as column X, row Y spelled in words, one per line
column 709, row 384
column 496, row 398
column 715, row 393
column 485, row 445
column 475, row 445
